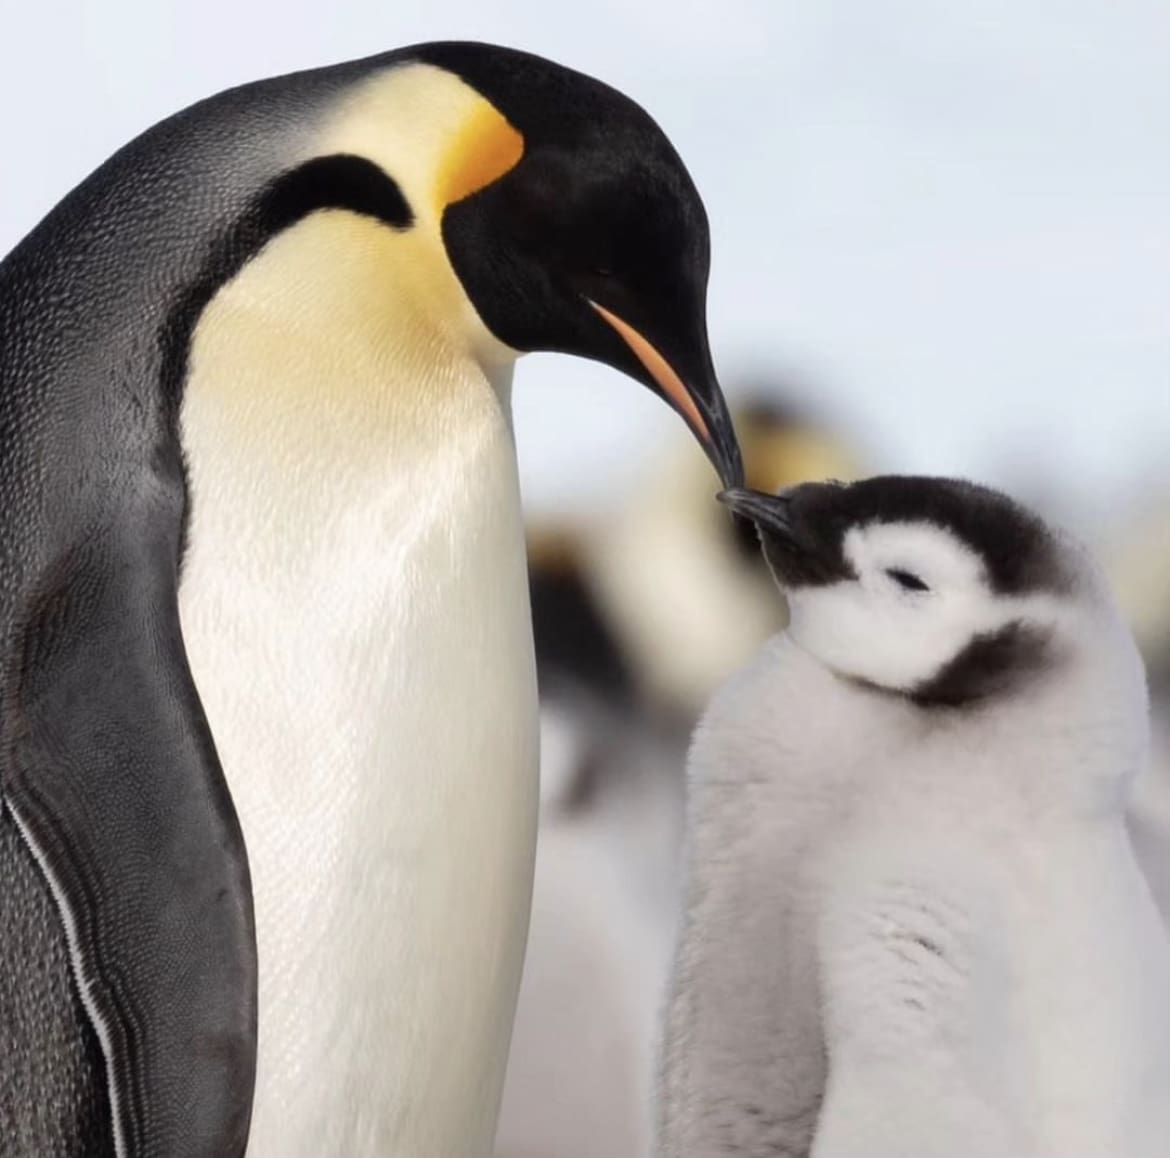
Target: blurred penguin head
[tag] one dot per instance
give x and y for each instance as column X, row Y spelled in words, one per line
column 683, row 586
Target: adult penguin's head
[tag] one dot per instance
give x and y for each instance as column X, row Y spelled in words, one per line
column 573, row 226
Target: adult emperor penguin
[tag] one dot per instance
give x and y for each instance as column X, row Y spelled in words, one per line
column 640, row 611
column 915, row 924
column 263, row 583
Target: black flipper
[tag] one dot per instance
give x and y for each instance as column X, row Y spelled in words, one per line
column 112, row 779
column 53, row 1097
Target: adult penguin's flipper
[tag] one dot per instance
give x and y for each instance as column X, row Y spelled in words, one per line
column 111, row 776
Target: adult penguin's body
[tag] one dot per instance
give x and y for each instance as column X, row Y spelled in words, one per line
column 262, row 547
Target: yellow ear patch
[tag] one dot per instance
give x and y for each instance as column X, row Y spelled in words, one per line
column 484, row 149
column 776, row 459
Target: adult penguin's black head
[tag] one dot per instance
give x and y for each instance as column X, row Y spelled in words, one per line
column 592, row 239
column 483, row 199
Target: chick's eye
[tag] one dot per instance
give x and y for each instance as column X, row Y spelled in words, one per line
column 906, row 580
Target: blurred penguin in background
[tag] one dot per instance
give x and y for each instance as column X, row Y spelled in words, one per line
column 639, row 614
column 1140, row 571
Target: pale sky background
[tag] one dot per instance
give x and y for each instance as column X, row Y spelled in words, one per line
column 950, row 221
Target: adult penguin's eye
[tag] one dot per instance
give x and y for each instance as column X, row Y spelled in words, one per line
column 906, row 580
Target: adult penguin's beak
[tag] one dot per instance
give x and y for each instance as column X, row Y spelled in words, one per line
column 687, row 381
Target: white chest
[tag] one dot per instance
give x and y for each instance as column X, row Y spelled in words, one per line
column 355, row 609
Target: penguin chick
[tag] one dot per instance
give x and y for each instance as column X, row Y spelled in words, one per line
column 914, row 923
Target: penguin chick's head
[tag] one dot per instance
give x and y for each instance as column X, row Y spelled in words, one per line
column 589, row 238
column 942, row 591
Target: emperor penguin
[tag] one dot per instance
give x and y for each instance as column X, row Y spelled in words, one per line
column 683, row 585
column 644, row 606
column 640, row 607
column 268, row 708
column 914, row 921
column 1140, row 571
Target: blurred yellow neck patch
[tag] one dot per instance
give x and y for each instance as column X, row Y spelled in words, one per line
column 484, row 149
column 776, row 459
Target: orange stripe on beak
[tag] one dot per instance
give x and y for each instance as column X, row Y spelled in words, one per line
column 660, row 370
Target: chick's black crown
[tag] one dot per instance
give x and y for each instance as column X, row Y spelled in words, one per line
column 1018, row 551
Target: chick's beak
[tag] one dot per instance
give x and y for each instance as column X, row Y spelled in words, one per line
column 769, row 512
column 694, row 393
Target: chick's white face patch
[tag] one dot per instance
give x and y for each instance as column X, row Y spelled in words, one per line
column 920, row 595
